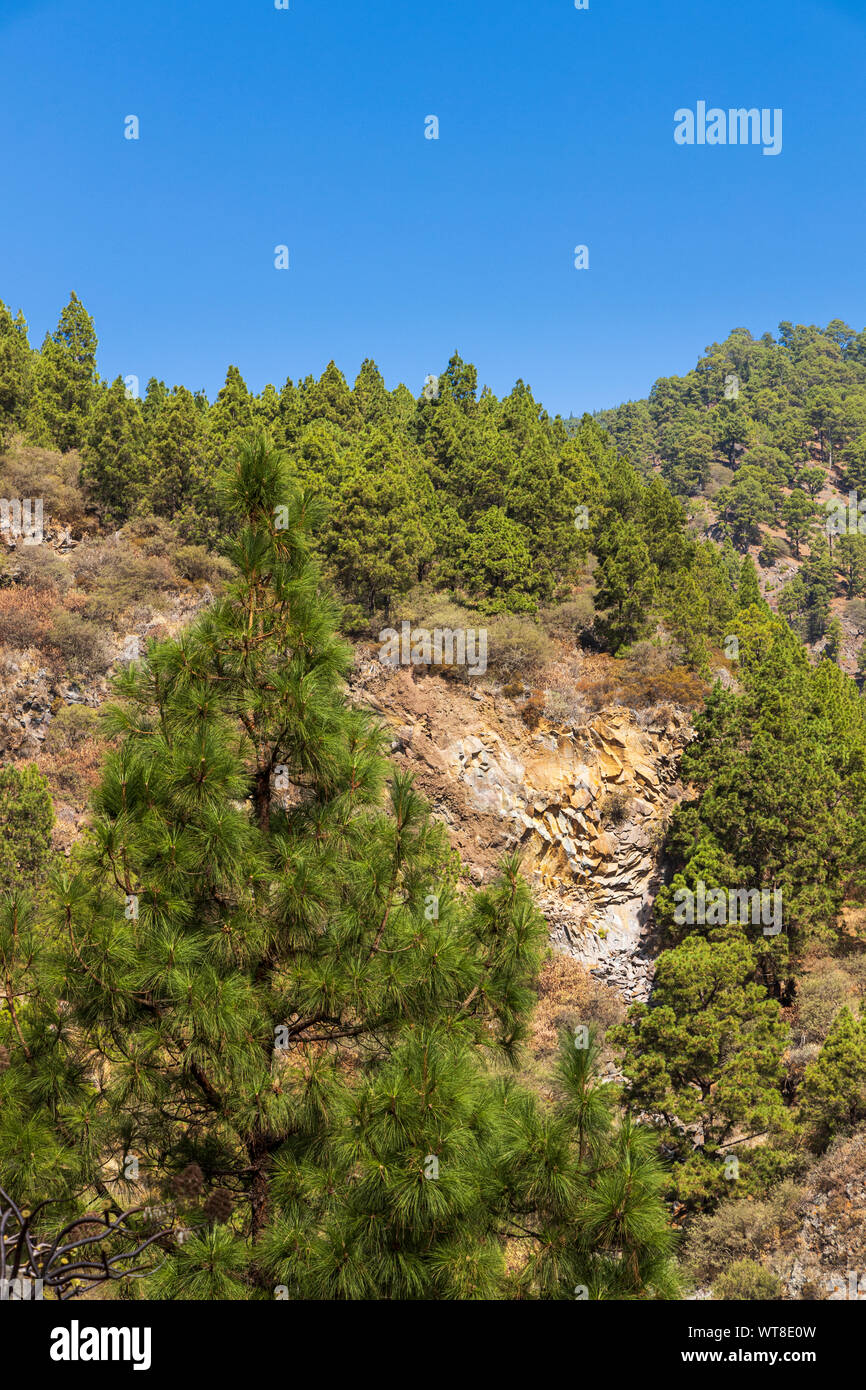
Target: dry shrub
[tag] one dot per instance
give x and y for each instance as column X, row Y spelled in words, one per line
column 517, row 645
column 88, row 561
column 533, row 710
column 842, row 1165
column 31, row 472
column 37, row 567
column 568, row 621
column 564, row 705
column 623, row 684
column 23, row 618
column 196, row 563
column 117, row 576
column 746, row 1280
column 155, row 535
column 820, row 996
column 73, row 772
column 741, row 1230
column 615, row 807
column 81, row 645
column 652, row 658
column 567, row 996
column 70, row 727
column 680, row 687
column 855, row 965
column 562, row 709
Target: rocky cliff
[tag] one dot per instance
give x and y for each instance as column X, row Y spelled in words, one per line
column 587, row 805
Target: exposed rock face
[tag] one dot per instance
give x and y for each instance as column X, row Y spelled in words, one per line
column 826, row 1258
column 31, row 694
column 586, row 805
column 29, row 699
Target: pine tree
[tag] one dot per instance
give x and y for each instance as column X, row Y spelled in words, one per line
column 154, row 399
column 583, row 1190
column 706, row 1052
column 496, row 564
column 114, row 453
column 834, row 1087
column 330, row 399
column 16, row 372
column 261, row 953
column 835, row 635
column 230, row 418
column 372, row 401
column 748, row 589
column 27, row 816
column 819, row 579
column 181, row 485
column 688, row 613
column 798, row 515
column 376, row 539
column 66, row 376
column 626, row 582
column 256, row 995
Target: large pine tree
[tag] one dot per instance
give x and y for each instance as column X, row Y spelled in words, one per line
column 258, row 995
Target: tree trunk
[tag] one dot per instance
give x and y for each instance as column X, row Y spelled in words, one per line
column 258, row 1150
column 262, row 797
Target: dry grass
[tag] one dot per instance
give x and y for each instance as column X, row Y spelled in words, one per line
column 567, row 996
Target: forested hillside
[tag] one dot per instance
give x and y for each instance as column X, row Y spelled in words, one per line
column 489, row 500
column 250, row 984
column 766, row 441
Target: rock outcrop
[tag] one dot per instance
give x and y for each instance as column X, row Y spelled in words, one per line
column 587, row 805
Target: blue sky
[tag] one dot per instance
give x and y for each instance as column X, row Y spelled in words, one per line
column 306, row 128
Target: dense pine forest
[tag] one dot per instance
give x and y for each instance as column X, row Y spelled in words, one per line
column 260, row 1035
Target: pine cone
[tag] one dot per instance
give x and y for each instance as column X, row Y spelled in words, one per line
column 4, row 1057
column 189, row 1182
column 219, row 1205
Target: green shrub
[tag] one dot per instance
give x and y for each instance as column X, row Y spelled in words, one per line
column 71, row 726
column 195, row 562
column 747, row 1280
column 26, row 818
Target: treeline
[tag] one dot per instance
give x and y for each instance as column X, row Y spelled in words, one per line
column 773, row 433
column 783, row 406
column 492, row 501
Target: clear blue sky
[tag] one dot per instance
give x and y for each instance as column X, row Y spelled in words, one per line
column 306, row 127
